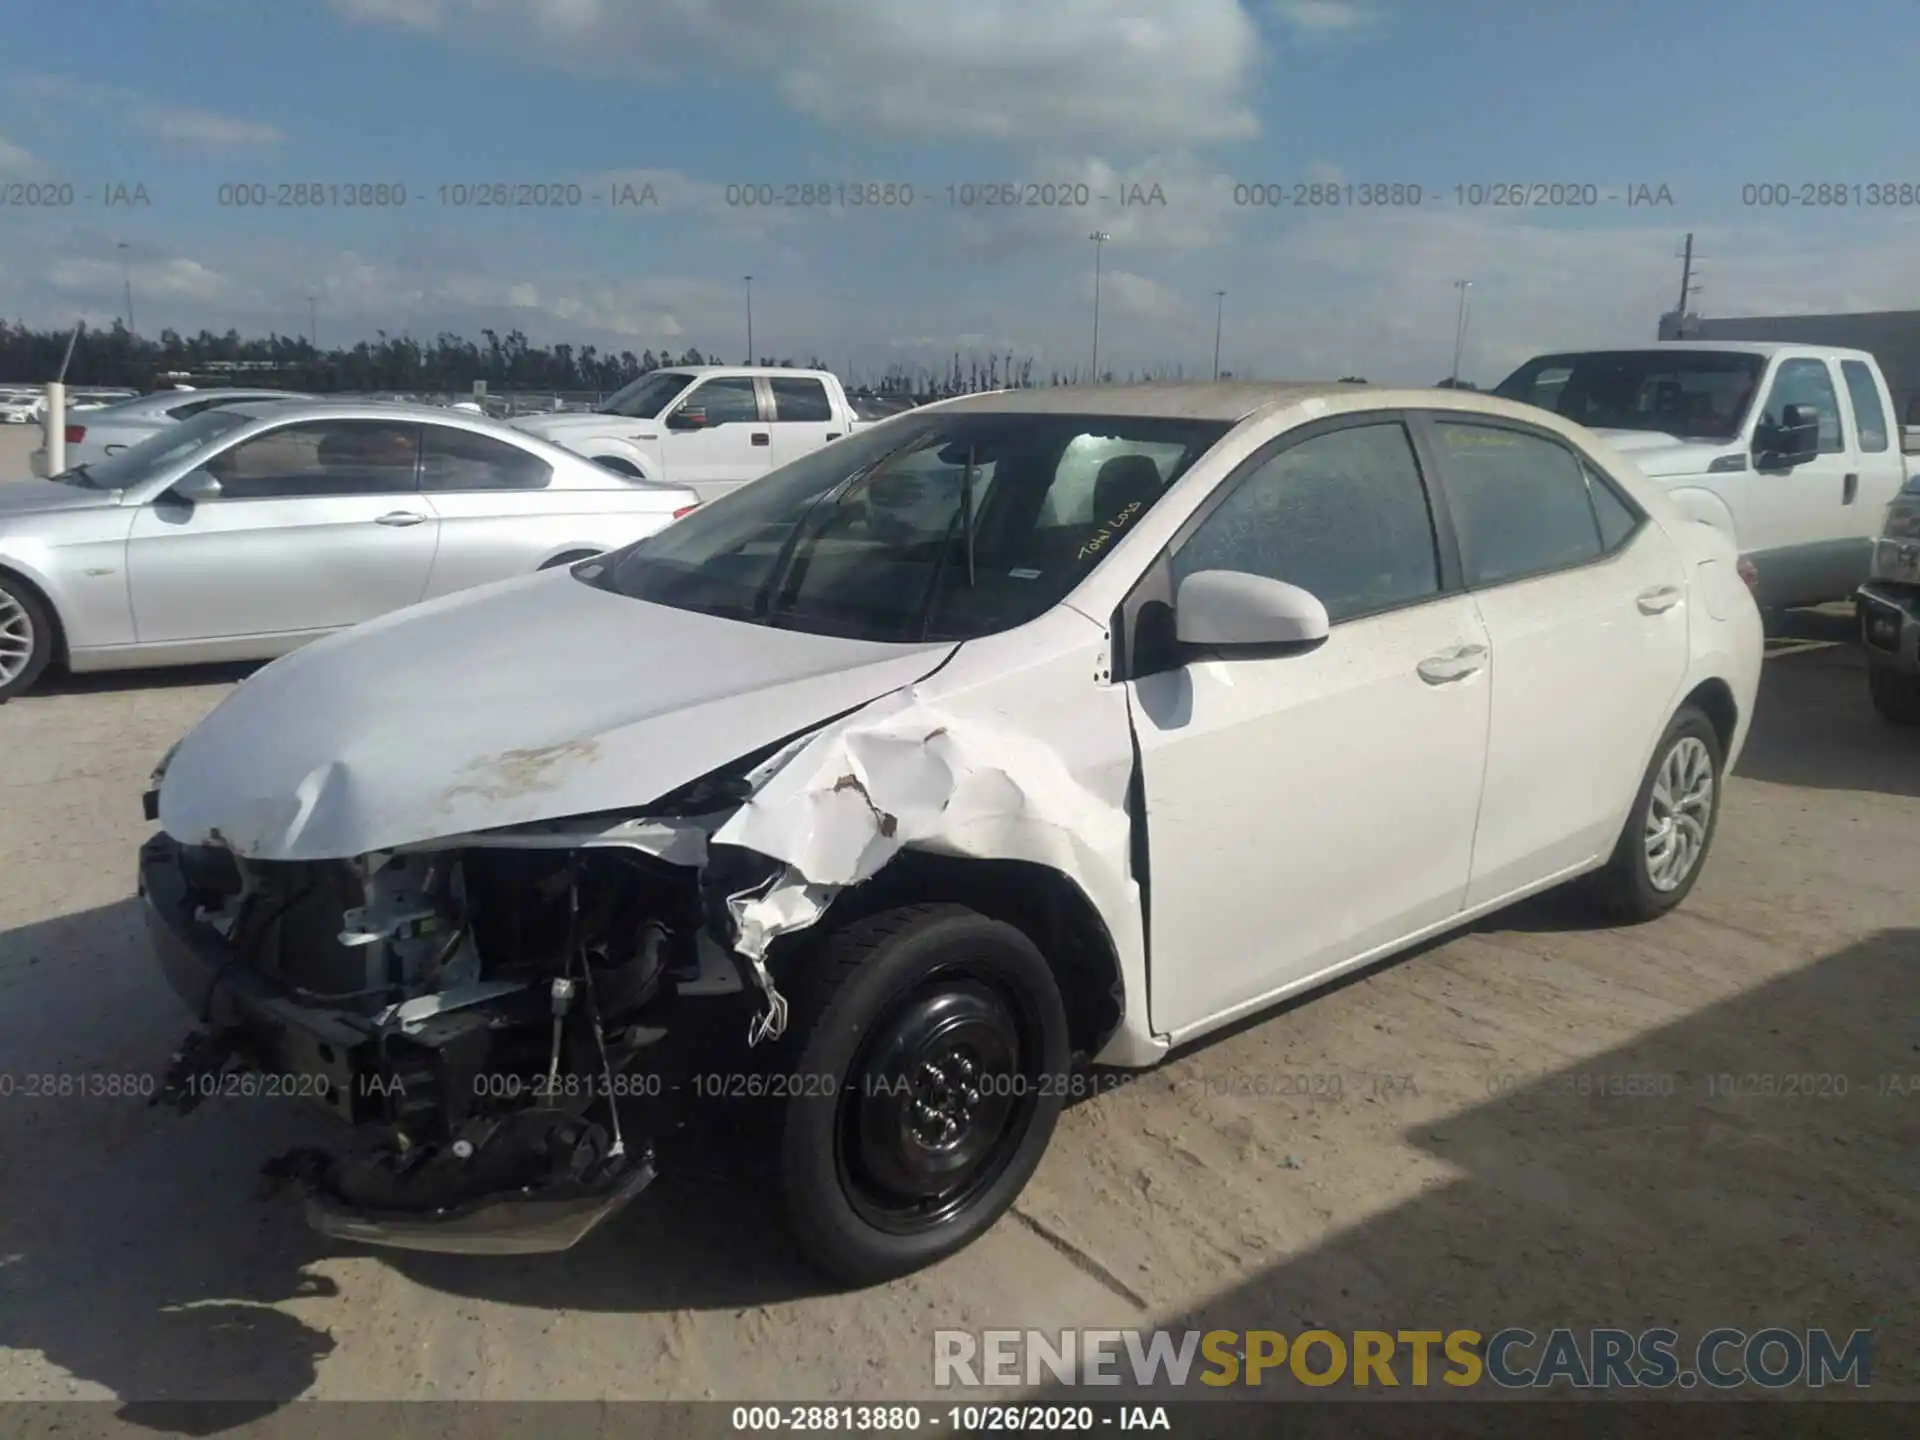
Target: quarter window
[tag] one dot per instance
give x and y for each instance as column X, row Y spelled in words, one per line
column 1343, row 515
column 332, row 457
column 1523, row 503
column 1869, row 416
column 462, row 460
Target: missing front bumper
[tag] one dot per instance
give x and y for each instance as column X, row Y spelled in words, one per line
column 516, row 1224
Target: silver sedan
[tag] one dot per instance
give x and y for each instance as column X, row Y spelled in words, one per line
column 251, row 529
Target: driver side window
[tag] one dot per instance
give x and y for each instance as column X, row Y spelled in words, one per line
column 727, row 401
column 1342, row 514
column 331, row 457
column 1806, row 381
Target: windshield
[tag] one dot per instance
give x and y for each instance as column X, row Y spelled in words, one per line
column 1694, row 394
column 931, row 526
column 163, row 448
column 646, row 397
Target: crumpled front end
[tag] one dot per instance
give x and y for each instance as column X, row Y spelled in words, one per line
column 494, row 1021
column 509, row 1018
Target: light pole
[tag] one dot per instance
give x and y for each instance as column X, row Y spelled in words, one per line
column 1460, row 326
column 313, row 325
column 1219, row 311
column 749, row 280
column 126, row 274
column 1099, row 238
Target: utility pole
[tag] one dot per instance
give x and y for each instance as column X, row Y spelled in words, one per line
column 126, row 274
column 749, row 280
column 1460, row 326
column 1689, row 287
column 1099, row 238
column 1219, row 312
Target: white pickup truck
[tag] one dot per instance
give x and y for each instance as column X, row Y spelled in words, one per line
column 1794, row 450
column 710, row 428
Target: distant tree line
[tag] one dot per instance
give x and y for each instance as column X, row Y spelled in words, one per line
column 452, row 363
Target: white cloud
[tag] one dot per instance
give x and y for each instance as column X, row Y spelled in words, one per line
column 14, row 158
column 188, row 126
column 1327, row 17
column 1121, row 71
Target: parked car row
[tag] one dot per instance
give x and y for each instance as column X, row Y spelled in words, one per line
column 1013, row 730
column 253, row 525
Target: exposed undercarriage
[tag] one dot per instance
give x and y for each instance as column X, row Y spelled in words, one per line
column 504, row 1025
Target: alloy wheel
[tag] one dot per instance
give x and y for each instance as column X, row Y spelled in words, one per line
column 16, row 639
column 1679, row 809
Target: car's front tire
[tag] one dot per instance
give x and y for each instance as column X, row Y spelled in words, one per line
column 1664, row 844
column 26, row 637
column 1895, row 695
column 926, row 1047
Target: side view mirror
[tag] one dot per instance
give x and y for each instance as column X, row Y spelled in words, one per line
column 196, row 486
column 688, row 417
column 1229, row 609
column 1794, row 441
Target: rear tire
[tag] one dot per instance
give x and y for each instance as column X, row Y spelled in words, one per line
column 1895, row 695
column 26, row 637
column 1663, row 846
column 923, row 1057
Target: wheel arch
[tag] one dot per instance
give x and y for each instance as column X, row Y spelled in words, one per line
column 1714, row 698
column 14, row 575
column 1043, row 903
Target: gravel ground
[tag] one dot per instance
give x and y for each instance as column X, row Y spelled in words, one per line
column 1463, row 1175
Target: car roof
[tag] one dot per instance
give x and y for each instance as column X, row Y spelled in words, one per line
column 1230, row 401
column 1766, row 348
column 355, row 407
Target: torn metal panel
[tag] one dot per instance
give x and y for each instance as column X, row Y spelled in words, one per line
column 944, row 766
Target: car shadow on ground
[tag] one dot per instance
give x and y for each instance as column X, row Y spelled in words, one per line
column 97, row 682
column 1762, row 1175
column 1815, row 727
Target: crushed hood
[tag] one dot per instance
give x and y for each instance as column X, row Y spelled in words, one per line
column 535, row 699
column 1661, row 455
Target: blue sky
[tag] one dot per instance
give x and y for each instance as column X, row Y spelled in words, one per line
column 1197, row 97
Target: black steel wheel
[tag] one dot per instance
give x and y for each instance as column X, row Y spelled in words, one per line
column 927, row 1049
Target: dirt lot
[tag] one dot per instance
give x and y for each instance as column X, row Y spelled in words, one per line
column 1460, row 1176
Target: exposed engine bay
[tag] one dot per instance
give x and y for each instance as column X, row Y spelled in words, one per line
column 493, row 1020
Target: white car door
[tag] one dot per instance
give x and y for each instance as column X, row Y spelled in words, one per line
column 1306, row 809
column 714, row 439
column 1810, row 559
column 803, row 418
column 1882, row 468
column 319, row 525
column 1585, row 605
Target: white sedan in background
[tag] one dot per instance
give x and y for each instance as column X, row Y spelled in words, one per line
column 1140, row 710
column 250, row 528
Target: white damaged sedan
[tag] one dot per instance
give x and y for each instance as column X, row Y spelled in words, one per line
column 1021, row 730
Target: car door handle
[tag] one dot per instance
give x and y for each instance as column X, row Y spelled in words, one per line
column 400, row 517
column 1659, row 599
column 760, row 437
column 1849, row 488
column 833, row 435
column 1451, row 665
